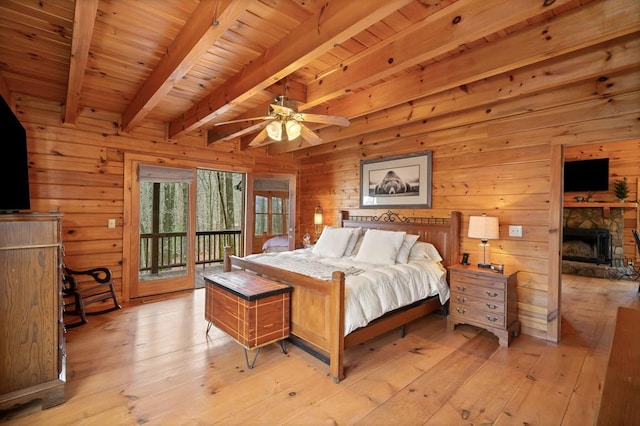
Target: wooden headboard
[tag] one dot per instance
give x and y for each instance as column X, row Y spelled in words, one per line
column 443, row 233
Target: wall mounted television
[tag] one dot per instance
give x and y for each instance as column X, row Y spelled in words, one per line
column 14, row 166
column 586, row 175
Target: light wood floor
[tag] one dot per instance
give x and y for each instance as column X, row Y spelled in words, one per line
column 151, row 363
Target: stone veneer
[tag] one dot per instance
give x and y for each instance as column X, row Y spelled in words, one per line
column 590, row 218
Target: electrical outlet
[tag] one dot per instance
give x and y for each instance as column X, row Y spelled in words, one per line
column 515, row 231
column 112, row 223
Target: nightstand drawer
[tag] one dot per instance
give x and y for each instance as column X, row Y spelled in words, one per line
column 492, row 294
column 489, row 279
column 490, row 306
column 467, row 313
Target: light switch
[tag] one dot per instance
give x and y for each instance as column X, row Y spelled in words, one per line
column 112, row 223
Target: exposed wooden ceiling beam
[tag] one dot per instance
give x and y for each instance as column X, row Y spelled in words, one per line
column 463, row 21
column 334, row 23
column 481, row 63
column 207, row 23
column 84, row 18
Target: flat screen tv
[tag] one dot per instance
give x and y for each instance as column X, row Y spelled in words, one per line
column 586, row 175
column 14, row 167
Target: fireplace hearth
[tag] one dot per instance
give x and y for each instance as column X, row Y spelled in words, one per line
column 587, row 245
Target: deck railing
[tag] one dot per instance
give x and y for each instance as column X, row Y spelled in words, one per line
column 168, row 250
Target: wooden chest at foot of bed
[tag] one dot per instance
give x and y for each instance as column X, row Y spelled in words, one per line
column 251, row 309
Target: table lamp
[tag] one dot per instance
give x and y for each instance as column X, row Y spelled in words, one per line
column 485, row 228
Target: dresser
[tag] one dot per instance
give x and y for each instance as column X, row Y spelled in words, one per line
column 32, row 345
column 486, row 299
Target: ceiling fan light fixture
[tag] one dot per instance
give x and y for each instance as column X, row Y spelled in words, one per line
column 293, row 129
column 274, row 130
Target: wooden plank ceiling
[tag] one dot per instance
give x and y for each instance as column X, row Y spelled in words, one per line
column 195, row 63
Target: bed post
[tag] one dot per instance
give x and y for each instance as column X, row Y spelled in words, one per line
column 342, row 216
column 336, row 326
column 456, row 221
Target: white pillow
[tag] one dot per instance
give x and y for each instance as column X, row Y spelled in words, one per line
column 422, row 250
column 407, row 244
column 380, row 247
column 356, row 233
column 358, row 243
column 332, row 242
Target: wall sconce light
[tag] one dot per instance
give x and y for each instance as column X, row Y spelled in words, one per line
column 485, row 228
column 317, row 219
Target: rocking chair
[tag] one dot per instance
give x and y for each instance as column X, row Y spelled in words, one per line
column 77, row 299
column 635, row 273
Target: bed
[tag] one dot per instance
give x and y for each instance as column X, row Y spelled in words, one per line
column 276, row 244
column 318, row 305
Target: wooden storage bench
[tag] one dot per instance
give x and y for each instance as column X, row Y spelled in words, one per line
column 620, row 402
column 251, row 309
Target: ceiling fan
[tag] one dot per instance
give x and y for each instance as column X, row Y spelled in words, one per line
column 284, row 122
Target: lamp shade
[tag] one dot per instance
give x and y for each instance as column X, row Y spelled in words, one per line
column 293, row 129
column 317, row 216
column 317, row 219
column 483, row 227
column 274, row 130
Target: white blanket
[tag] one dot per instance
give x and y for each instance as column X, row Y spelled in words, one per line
column 371, row 290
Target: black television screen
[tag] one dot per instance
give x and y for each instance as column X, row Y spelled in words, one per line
column 14, row 168
column 586, row 175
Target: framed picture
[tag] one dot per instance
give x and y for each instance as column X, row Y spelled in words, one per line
column 400, row 182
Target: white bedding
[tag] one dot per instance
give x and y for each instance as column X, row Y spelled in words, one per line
column 371, row 290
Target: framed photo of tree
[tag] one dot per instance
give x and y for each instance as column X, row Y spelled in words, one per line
column 396, row 182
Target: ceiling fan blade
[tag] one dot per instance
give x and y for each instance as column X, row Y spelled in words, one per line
column 309, row 135
column 335, row 120
column 261, row 138
column 240, row 120
column 247, row 130
column 282, row 110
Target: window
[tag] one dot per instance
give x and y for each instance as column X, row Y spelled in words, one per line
column 271, row 213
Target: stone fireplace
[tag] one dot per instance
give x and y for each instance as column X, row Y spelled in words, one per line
column 592, row 243
column 587, row 245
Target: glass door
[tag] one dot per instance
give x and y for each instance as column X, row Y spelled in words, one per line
column 164, row 230
column 271, row 202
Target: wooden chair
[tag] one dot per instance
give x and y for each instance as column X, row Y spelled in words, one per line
column 77, row 299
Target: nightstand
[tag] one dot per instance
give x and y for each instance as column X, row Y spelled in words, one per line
column 486, row 299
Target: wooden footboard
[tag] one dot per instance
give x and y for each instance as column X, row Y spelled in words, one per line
column 317, row 307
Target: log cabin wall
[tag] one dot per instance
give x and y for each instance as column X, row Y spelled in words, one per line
column 502, row 155
column 496, row 103
column 79, row 171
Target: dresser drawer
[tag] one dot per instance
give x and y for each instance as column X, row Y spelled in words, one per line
column 466, row 312
column 482, row 304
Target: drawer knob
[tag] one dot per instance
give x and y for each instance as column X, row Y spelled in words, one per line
column 461, row 288
column 461, row 299
column 492, row 294
column 492, row 319
column 461, row 311
column 490, row 306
